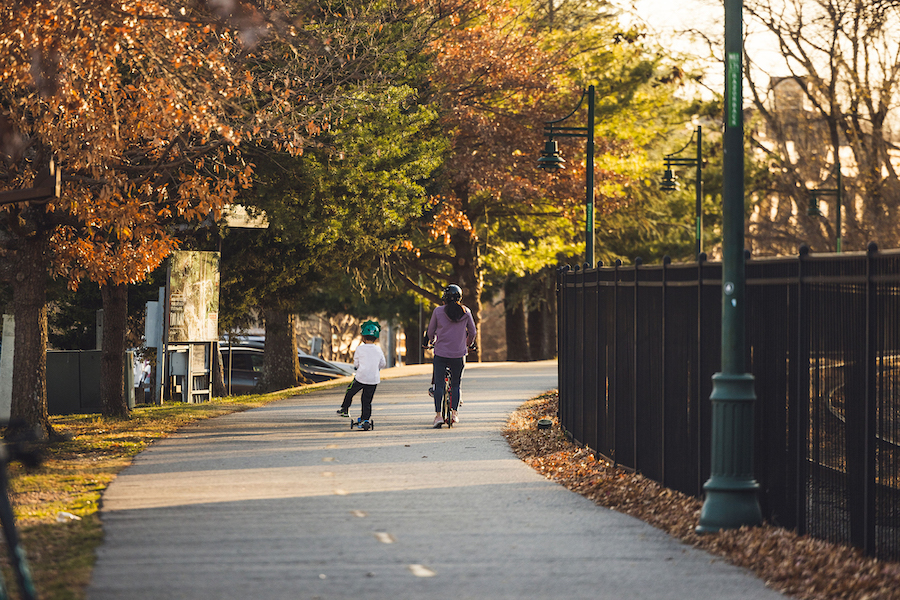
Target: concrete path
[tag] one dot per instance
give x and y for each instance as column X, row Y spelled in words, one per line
column 286, row 502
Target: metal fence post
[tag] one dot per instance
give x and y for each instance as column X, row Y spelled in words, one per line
column 577, row 360
column 634, row 369
column 562, row 342
column 584, row 333
column 662, row 375
column 799, row 412
column 614, row 409
column 871, row 398
column 597, row 369
column 698, row 394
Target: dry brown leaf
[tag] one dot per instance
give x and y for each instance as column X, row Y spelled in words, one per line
column 796, row 565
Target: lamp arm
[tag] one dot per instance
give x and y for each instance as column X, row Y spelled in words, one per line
column 574, row 110
column 689, row 142
column 682, row 162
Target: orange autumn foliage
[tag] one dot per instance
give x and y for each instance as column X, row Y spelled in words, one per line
column 142, row 103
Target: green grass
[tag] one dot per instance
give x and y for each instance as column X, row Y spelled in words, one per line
column 74, row 474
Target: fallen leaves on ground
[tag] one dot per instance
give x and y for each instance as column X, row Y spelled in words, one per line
column 797, row 565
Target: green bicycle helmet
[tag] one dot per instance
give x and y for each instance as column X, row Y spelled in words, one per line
column 370, row 328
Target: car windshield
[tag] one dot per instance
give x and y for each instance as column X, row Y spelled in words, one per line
column 315, row 362
column 243, row 360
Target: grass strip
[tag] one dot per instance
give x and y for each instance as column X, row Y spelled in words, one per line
column 57, row 504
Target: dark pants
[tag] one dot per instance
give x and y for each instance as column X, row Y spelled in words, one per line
column 368, row 390
column 440, row 368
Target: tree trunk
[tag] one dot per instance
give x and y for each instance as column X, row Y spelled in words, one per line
column 537, row 342
column 516, row 330
column 467, row 269
column 112, row 361
column 542, row 317
column 29, row 382
column 550, row 321
column 282, row 369
column 413, row 335
column 217, row 374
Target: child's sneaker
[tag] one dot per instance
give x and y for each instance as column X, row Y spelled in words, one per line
column 438, row 421
column 431, row 391
column 343, row 412
column 455, row 417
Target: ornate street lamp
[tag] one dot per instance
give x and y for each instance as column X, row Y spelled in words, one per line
column 731, row 500
column 668, row 183
column 814, row 211
column 551, row 160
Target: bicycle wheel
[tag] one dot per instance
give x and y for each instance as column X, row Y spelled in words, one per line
column 446, row 405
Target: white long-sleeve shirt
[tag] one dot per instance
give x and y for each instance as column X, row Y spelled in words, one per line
column 368, row 361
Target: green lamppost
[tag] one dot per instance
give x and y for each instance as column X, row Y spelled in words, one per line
column 814, row 211
column 731, row 499
column 551, row 160
column 668, row 182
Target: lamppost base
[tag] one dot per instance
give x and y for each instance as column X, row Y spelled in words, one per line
column 732, row 491
column 729, row 505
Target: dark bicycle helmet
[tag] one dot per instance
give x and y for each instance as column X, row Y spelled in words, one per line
column 452, row 293
column 371, row 329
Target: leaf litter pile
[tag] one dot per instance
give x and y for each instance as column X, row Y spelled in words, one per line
column 797, row 565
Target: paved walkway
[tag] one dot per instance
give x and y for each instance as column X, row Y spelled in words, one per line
column 286, row 502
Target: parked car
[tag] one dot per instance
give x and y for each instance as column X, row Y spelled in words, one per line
column 319, row 369
column 248, row 364
column 254, row 341
column 245, row 370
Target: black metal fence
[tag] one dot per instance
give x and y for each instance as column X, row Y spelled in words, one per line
column 638, row 347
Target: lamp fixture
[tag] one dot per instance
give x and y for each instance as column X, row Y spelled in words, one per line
column 668, row 183
column 550, row 159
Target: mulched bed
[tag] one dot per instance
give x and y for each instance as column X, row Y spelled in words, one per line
column 800, row 566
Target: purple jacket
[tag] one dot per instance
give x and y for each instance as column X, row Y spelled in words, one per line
column 451, row 338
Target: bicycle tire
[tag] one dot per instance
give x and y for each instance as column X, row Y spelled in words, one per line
column 446, row 405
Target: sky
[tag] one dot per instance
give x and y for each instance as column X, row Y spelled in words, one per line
column 670, row 17
column 672, row 20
